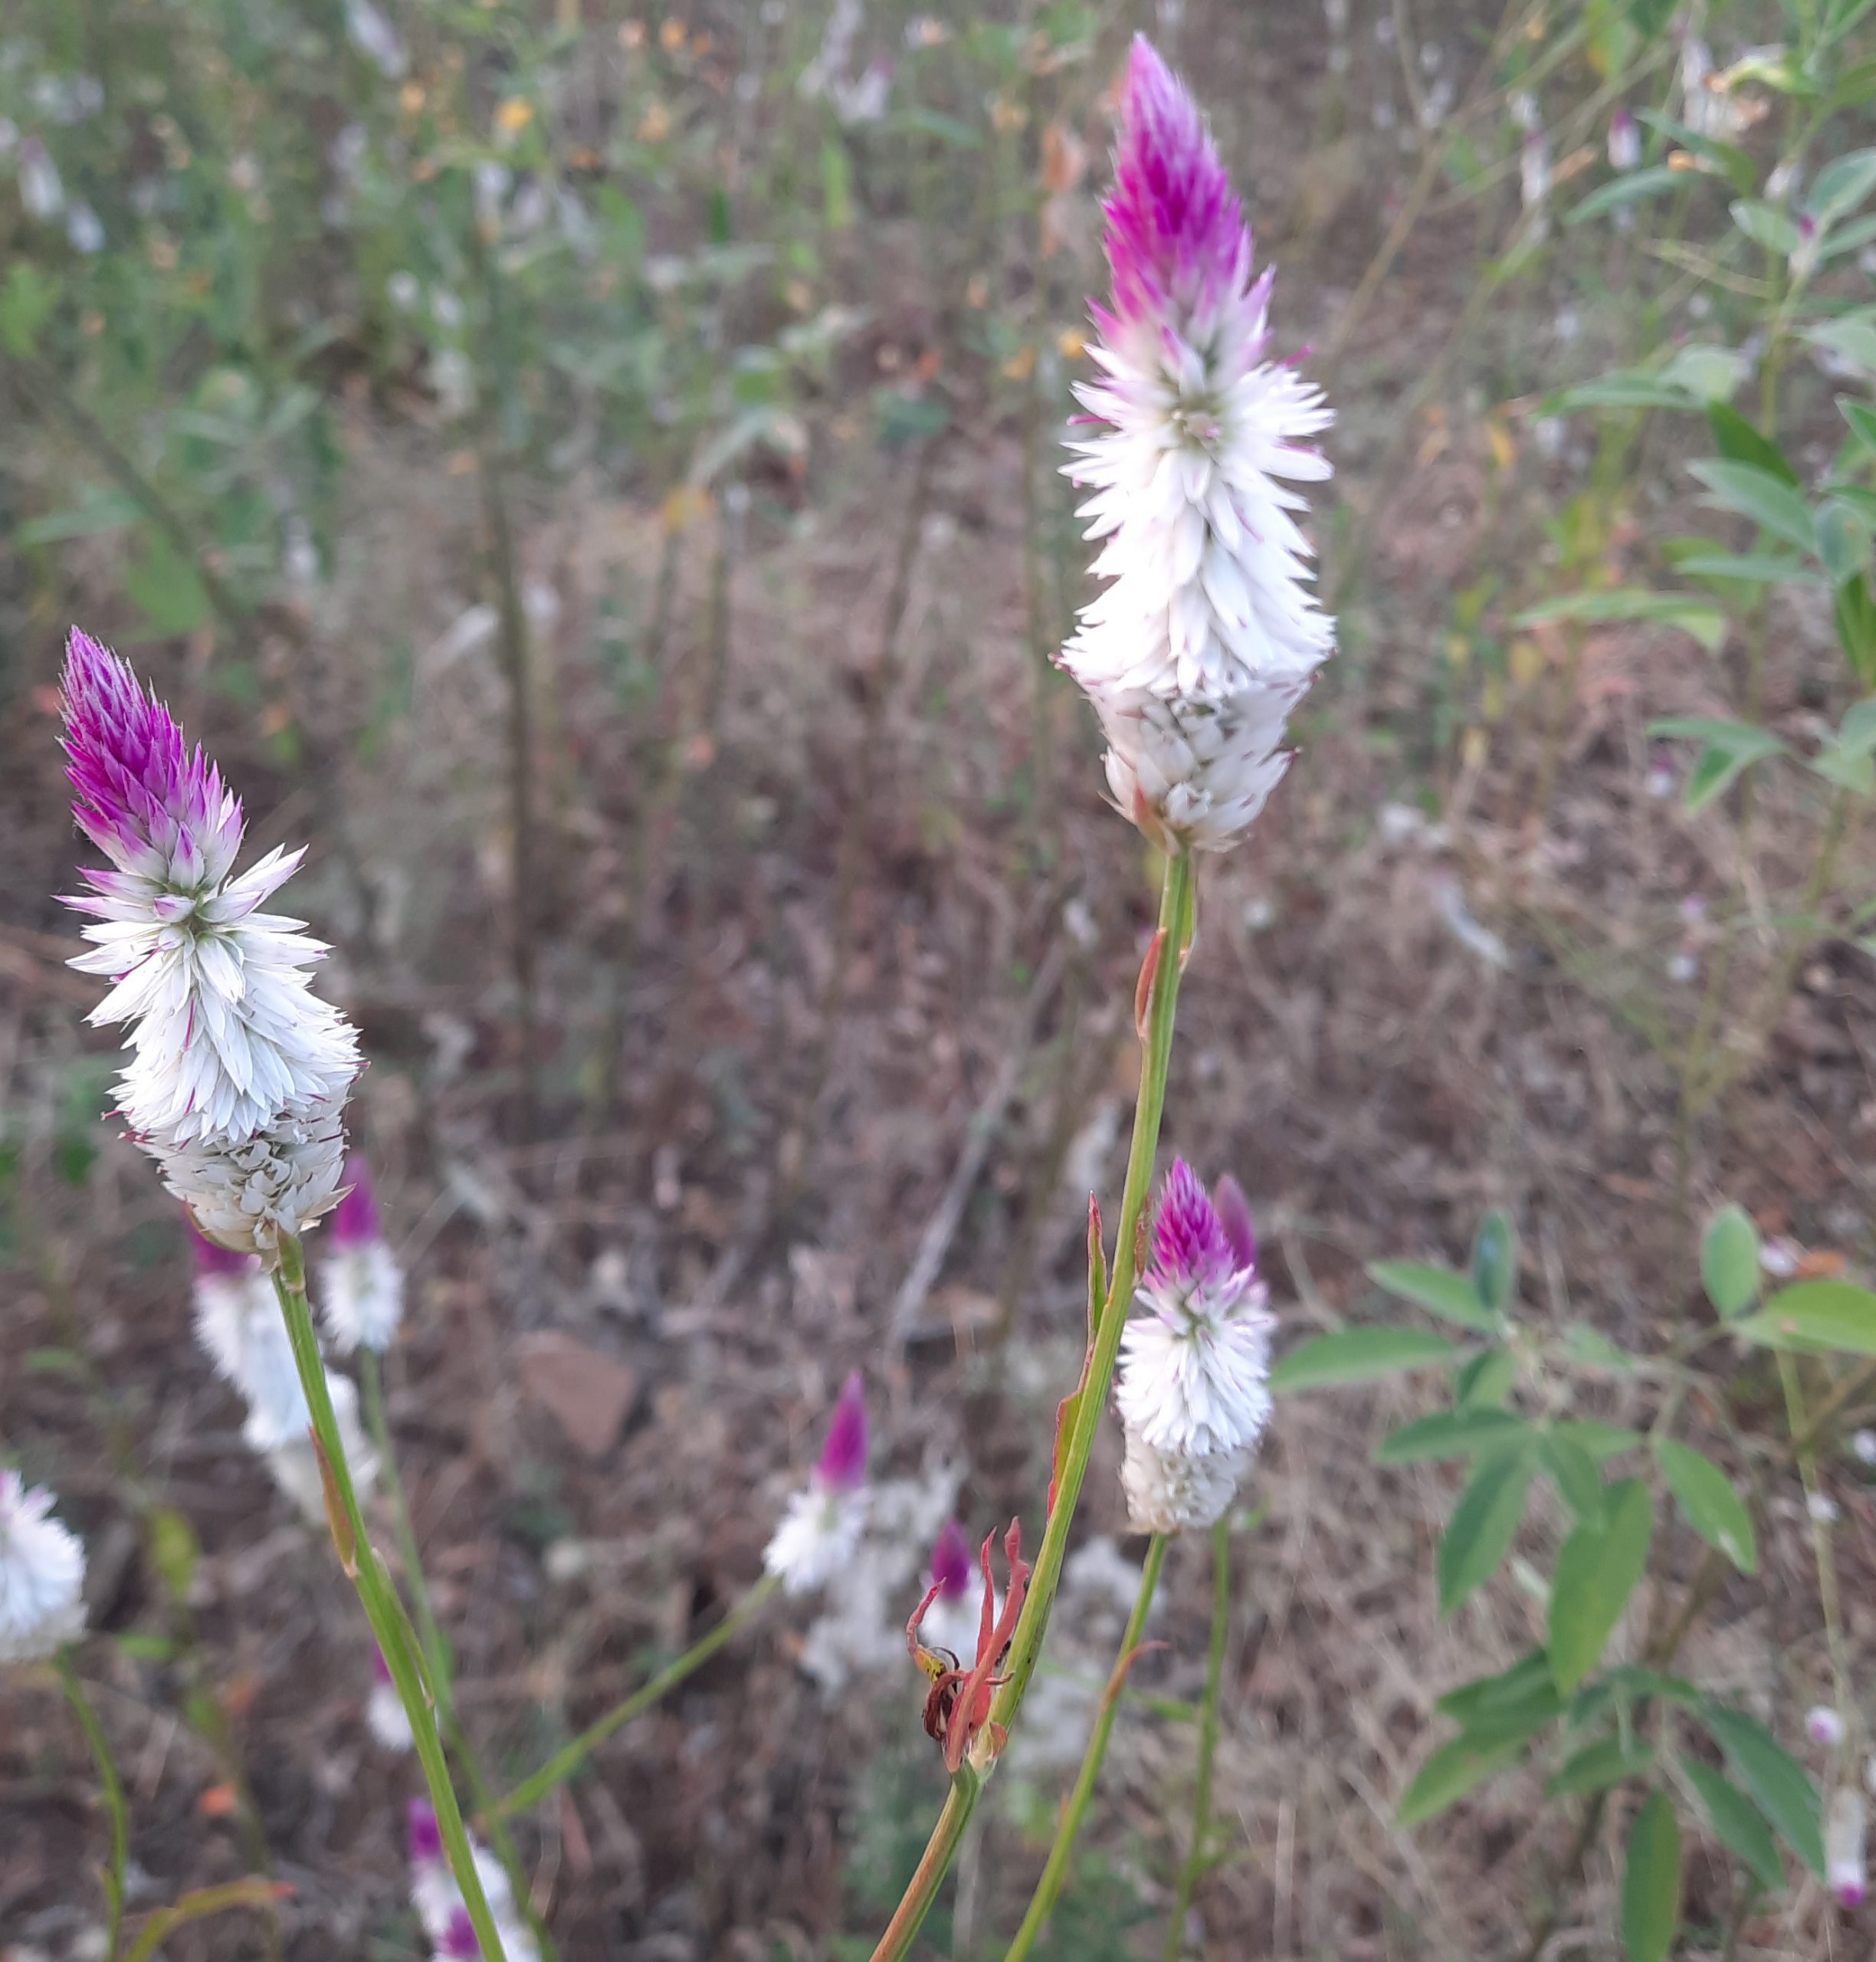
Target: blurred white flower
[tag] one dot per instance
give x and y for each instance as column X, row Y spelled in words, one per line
column 42, row 1568
column 1625, row 140
column 361, row 1295
column 1863, row 1446
column 1823, row 1509
column 1824, row 1727
column 83, row 230
column 42, row 195
column 1846, row 1871
column 385, row 1717
column 295, row 1464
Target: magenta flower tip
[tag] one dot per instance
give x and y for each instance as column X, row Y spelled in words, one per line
column 426, row 1836
column 144, row 798
column 459, row 1937
column 213, row 1261
column 380, row 1667
column 356, row 1220
column 1174, row 227
column 951, row 1561
column 1189, row 1240
column 844, row 1457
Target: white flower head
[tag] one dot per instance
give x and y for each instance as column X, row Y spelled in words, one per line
column 820, row 1531
column 1194, row 1367
column 1823, row 1509
column 1824, row 1727
column 42, row 1568
column 1863, row 1447
column 1199, row 437
column 361, row 1285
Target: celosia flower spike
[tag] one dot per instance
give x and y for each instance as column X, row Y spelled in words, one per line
column 957, row 1707
column 1194, row 1367
column 237, row 1070
column 1207, row 632
column 1846, row 1865
column 821, row 1529
column 42, row 1568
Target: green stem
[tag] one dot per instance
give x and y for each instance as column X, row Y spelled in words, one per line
column 437, row 1660
column 1175, row 927
column 115, row 1807
column 1806, row 1452
column 570, row 1757
column 1193, row 1871
column 1055, row 1873
column 922, row 1890
column 396, row 1638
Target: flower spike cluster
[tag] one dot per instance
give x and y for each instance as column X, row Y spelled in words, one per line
column 42, row 1570
column 237, row 1070
column 820, row 1531
column 1208, row 632
column 1194, row 1383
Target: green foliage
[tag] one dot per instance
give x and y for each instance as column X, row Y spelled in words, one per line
column 1359, row 1355
column 1597, row 1571
column 1714, row 1510
column 1480, row 1533
column 1815, row 1315
column 1651, row 1896
column 1729, row 1260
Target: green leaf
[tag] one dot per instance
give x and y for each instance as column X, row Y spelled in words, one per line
column 1740, row 442
column 1855, row 616
column 1692, row 612
column 1359, row 1355
column 1766, row 225
column 1759, row 494
column 97, row 510
column 1713, row 1508
column 1842, row 185
column 1450, row 1433
column 1710, row 375
column 1843, row 540
column 1438, row 1290
column 1651, row 1896
column 1494, row 1261
column 143, row 1645
column 1487, row 1379
column 1455, row 1769
column 1736, row 1824
column 1862, row 420
column 1625, row 387
column 1593, row 1349
column 1729, row 1260
column 1731, row 748
column 1739, row 167
column 1602, row 1441
column 1813, row 1315
column 1596, row 1572
column 1480, row 1533
column 1599, row 1766
column 1755, row 568
column 1473, row 1703
column 1630, row 189
column 1851, row 338
column 1576, row 1475
column 1775, row 1779
column 27, row 302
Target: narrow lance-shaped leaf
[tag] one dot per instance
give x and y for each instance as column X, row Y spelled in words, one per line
column 1776, row 1781
column 1714, row 1510
column 1596, row 1572
column 1736, row 1823
column 1484, row 1522
column 1651, row 1897
column 1438, row 1290
column 1359, row 1355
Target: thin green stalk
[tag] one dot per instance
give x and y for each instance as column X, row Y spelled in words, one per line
column 570, row 1757
column 396, row 1638
column 1175, row 927
column 437, row 1658
column 1055, row 1872
column 1805, row 1451
column 115, row 1806
column 1194, row 1870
